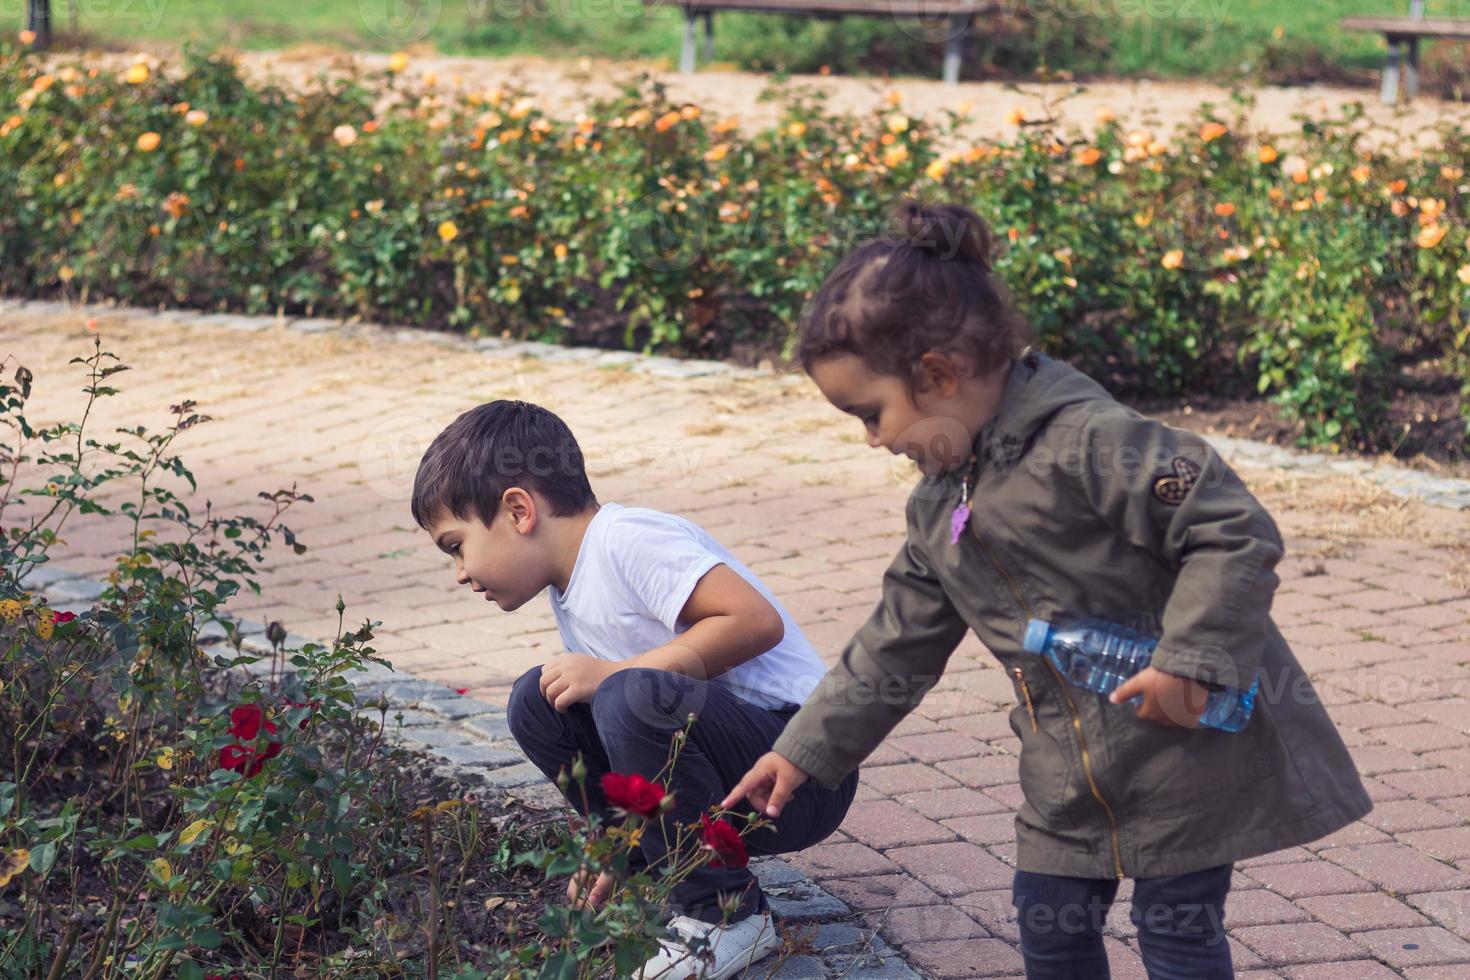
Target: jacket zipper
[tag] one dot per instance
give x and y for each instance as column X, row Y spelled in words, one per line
column 1026, row 692
column 1071, row 705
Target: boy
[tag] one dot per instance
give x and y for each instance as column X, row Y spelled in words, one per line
column 658, row 621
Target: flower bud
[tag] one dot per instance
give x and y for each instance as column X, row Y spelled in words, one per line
column 579, row 770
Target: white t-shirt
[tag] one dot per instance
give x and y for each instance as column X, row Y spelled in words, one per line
column 636, row 569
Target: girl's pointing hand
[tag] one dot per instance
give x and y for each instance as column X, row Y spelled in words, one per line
column 770, row 783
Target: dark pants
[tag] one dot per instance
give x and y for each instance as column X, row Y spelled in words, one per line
column 1180, row 922
column 628, row 727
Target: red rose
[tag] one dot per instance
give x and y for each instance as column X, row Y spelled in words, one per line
column 246, row 721
column 725, row 841
column 65, row 617
column 312, row 705
column 632, row 794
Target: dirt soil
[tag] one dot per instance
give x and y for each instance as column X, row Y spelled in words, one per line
column 565, row 86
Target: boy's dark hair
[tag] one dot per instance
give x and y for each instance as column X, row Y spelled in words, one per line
column 493, row 447
column 923, row 285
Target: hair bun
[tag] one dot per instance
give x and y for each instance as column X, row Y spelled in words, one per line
column 946, row 231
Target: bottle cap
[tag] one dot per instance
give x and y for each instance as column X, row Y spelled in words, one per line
column 1038, row 631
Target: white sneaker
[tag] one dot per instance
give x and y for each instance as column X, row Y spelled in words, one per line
column 731, row 948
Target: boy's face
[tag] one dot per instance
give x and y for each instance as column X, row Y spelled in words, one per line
column 935, row 427
column 498, row 559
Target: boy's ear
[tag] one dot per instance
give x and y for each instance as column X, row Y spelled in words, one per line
column 520, row 509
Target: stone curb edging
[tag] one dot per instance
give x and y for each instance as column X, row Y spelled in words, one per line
column 1397, row 480
column 472, row 741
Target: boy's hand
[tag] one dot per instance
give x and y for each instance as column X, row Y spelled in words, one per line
column 769, row 784
column 573, row 677
column 1167, row 698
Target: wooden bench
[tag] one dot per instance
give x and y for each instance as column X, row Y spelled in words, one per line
column 1404, row 33
column 955, row 15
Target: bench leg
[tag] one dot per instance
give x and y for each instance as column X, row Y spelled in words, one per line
column 954, row 47
column 1411, row 70
column 1389, row 93
column 686, row 54
column 709, row 35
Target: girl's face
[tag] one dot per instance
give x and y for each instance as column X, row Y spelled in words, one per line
column 935, row 426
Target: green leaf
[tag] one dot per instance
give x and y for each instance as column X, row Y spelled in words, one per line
column 559, row 966
column 43, row 856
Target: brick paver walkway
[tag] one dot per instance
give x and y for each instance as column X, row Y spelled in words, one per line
column 1373, row 599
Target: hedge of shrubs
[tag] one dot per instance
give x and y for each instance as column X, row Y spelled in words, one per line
column 1305, row 265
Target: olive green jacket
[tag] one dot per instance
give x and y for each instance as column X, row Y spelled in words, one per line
column 1082, row 507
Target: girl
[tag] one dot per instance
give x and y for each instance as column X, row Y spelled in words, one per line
column 1043, row 497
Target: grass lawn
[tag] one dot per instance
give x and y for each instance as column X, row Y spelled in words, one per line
column 1179, row 38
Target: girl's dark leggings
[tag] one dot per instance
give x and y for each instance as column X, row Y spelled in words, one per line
column 1180, row 922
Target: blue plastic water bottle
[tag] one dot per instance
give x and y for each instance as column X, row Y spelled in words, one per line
column 1098, row 655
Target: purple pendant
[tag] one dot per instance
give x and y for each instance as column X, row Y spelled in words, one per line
column 957, row 522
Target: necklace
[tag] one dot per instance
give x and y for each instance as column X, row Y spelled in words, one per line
column 960, row 517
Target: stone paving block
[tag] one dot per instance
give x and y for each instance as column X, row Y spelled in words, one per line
column 1422, row 946
column 455, row 707
column 1370, row 715
column 1446, row 844
column 983, row 771
column 807, row 904
column 1372, row 760
column 478, row 756
column 903, row 926
column 1308, row 878
column 1424, row 736
column 1287, row 855
column 1355, row 969
column 1399, row 816
column 965, row 958
column 880, row 963
column 1430, row 784
column 989, row 828
column 511, row 777
column 881, row 891
column 492, row 726
column 1009, row 794
column 1397, row 867
column 44, row 576
column 843, row 860
column 1261, row 907
column 1299, row 942
column 1358, row 913
column 794, row 968
column 942, row 804
column 955, row 868
column 911, row 777
column 943, row 745
column 75, row 590
column 883, row 824
column 1448, row 909
column 838, row 937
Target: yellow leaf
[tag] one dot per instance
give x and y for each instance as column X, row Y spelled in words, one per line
column 15, row 863
column 162, row 869
column 165, row 759
column 191, row 833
